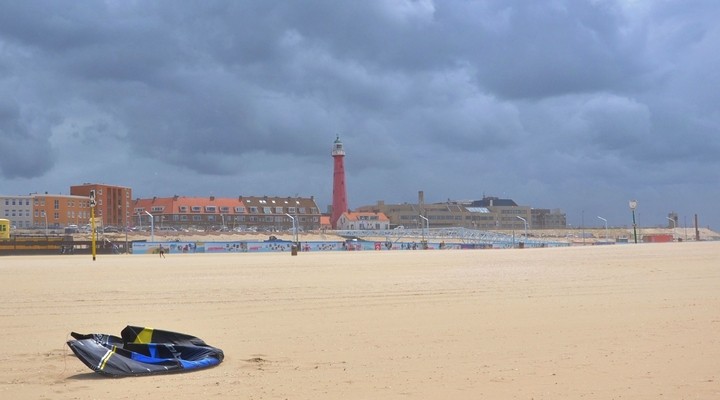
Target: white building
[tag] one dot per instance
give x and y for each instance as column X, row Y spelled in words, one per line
column 17, row 209
column 363, row 221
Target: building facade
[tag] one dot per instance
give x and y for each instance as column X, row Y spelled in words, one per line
column 543, row 218
column 50, row 211
column 489, row 213
column 215, row 213
column 363, row 221
column 56, row 211
column 18, row 210
column 113, row 203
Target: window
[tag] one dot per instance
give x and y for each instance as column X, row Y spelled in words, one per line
column 197, row 218
column 56, row 204
column 291, row 210
column 267, row 210
column 183, row 209
column 253, row 210
column 278, row 210
column 224, row 210
column 211, row 218
column 157, row 209
column 240, row 210
column 196, row 209
column 210, row 209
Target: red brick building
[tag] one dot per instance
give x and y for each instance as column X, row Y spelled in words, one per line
column 114, row 203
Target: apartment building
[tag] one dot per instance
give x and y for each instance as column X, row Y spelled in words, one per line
column 113, row 203
column 241, row 213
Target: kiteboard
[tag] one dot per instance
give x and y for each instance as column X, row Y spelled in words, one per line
column 143, row 351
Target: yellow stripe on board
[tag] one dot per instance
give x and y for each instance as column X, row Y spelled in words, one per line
column 106, row 357
column 145, row 336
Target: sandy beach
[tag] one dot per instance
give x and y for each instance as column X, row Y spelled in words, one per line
column 598, row 322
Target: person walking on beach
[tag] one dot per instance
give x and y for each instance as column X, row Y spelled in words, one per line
column 162, row 252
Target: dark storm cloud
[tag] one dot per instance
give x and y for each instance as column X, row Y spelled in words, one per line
column 553, row 103
column 24, row 149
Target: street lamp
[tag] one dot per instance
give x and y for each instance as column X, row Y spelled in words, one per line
column 46, row 229
column 633, row 206
column 526, row 225
column 295, row 238
column 427, row 224
column 606, row 235
column 152, row 226
column 674, row 225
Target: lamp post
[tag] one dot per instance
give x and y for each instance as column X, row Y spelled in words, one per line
column 152, row 226
column 427, row 224
column 674, row 225
column 295, row 238
column 93, row 235
column 633, row 206
column 526, row 225
column 606, row 235
column 44, row 214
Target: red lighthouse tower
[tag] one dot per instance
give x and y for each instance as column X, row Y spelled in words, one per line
column 339, row 202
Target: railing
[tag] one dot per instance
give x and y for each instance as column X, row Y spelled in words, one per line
column 461, row 235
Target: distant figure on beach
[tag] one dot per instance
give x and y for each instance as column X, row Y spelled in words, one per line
column 162, row 252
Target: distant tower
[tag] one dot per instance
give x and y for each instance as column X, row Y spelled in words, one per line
column 339, row 203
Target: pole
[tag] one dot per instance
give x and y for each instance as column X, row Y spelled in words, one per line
column 152, row 226
column 673, row 226
column 633, row 205
column 92, row 226
column 93, row 203
column 634, row 226
column 526, row 225
column 606, row 232
column 424, row 240
column 295, row 238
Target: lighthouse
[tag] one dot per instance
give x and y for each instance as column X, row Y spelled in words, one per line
column 339, row 200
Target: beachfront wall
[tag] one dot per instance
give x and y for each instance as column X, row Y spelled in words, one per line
column 259, row 247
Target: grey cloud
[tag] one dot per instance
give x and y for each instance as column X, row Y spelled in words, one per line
column 24, row 149
column 531, row 100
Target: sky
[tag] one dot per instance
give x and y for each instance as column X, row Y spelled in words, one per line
column 577, row 105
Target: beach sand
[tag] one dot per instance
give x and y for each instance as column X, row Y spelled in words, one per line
column 600, row 322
